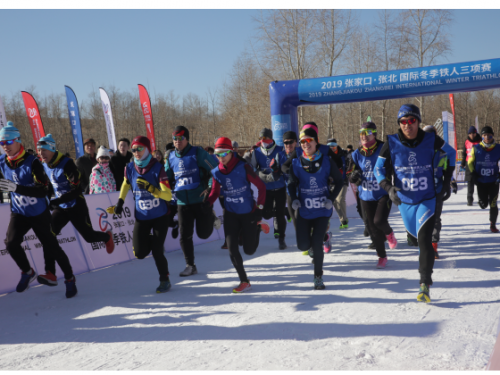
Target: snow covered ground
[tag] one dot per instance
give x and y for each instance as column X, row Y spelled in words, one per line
column 366, row 319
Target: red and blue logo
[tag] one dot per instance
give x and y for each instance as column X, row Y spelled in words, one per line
column 103, row 215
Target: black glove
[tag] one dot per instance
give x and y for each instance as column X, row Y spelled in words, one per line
column 54, row 203
column 118, row 209
column 447, row 194
column 454, row 186
column 356, row 177
column 394, row 195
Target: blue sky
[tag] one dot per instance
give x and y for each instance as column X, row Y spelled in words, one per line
column 181, row 50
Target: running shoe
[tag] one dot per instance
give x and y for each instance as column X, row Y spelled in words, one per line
column 175, row 230
column 382, row 262
column 217, row 222
column 164, row 286
column 71, row 287
column 424, row 294
column 282, row 244
column 48, row 279
column 26, row 279
column 243, row 287
column 391, row 238
column 110, row 245
column 264, row 226
column 372, row 246
column 344, row 225
column 188, row 271
column 318, row 283
column 224, row 247
column 493, row 228
column 327, row 245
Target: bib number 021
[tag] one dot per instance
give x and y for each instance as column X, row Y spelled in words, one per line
column 415, row 184
column 149, row 204
column 314, row 202
column 487, row 172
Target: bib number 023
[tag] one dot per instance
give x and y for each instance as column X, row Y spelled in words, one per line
column 314, row 202
column 415, row 184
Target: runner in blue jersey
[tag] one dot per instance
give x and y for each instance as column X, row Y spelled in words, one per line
column 189, row 173
column 262, row 161
column 309, row 180
column 149, row 183
column 69, row 205
column 483, row 165
column 340, row 157
column 243, row 213
column 28, row 187
column 374, row 200
column 408, row 156
column 444, row 186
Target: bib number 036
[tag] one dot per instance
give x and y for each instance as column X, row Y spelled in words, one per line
column 415, row 184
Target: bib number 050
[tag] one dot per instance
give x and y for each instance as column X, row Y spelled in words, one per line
column 415, row 184
column 314, row 202
column 149, row 204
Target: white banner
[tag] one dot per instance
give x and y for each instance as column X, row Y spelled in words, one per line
column 108, row 116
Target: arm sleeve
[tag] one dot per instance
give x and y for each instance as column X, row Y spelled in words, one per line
column 257, row 182
column 166, row 192
column 383, row 168
column 337, row 180
column 288, row 163
column 471, row 161
column 293, row 183
column 41, row 187
column 124, row 189
column 214, row 193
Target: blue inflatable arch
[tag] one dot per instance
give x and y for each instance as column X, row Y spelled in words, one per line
column 286, row 96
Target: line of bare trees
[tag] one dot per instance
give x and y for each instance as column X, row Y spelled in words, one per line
column 288, row 44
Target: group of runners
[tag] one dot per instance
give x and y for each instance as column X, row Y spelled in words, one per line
column 302, row 180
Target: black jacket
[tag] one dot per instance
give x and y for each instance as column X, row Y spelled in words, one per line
column 85, row 164
column 117, row 165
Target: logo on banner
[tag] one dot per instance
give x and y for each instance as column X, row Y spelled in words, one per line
column 32, row 112
column 280, row 126
column 145, row 107
column 102, row 216
column 105, row 107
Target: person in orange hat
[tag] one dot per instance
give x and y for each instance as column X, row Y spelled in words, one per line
column 242, row 213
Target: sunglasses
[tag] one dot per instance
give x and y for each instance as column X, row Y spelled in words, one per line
column 306, row 140
column 222, row 154
column 410, row 121
column 181, row 138
column 5, row 143
column 367, row 131
column 289, row 142
column 138, row 149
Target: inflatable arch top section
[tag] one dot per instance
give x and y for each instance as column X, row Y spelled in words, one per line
column 286, row 96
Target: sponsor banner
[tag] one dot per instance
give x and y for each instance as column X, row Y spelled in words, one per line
column 400, row 83
column 74, row 120
column 95, row 253
column 108, row 116
column 33, row 116
column 9, row 271
column 145, row 103
column 69, row 242
column 3, row 120
column 280, row 125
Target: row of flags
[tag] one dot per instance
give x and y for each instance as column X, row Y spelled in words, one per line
column 38, row 131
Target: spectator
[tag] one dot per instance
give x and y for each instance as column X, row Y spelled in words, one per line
column 210, row 150
column 158, row 156
column 111, row 153
column 86, row 162
column 235, row 146
column 102, row 179
column 349, row 148
column 119, row 160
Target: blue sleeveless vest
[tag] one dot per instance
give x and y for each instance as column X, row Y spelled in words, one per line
column 186, row 170
column 369, row 190
column 236, row 189
column 313, row 189
column 59, row 181
column 486, row 163
column 413, row 169
column 21, row 204
column 263, row 162
column 147, row 207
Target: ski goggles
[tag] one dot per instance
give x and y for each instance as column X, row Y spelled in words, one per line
column 332, row 144
column 306, row 140
column 178, row 138
column 265, row 139
column 223, row 154
column 366, row 131
column 9, row 142
column 138, row 149
column 409, row 121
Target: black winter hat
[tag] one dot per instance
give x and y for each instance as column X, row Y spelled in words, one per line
column 369, row 125
column 290, row 135
column 268, row 133
column 487, row 130
column 180, row 131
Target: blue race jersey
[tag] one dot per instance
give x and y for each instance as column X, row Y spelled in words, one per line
column 369, row 190
column 486, row 163
column 23, row 175
column 263, row 162
column 413, row 169
column 236, row 189
column 451, row 153
column 186, row 170
column 59, row 181
column 147, row 207
column 313, row 189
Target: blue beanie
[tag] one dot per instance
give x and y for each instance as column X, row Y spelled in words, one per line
column 472, row 129
column 47, row 143
column 10, row 132
column 409, row 110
